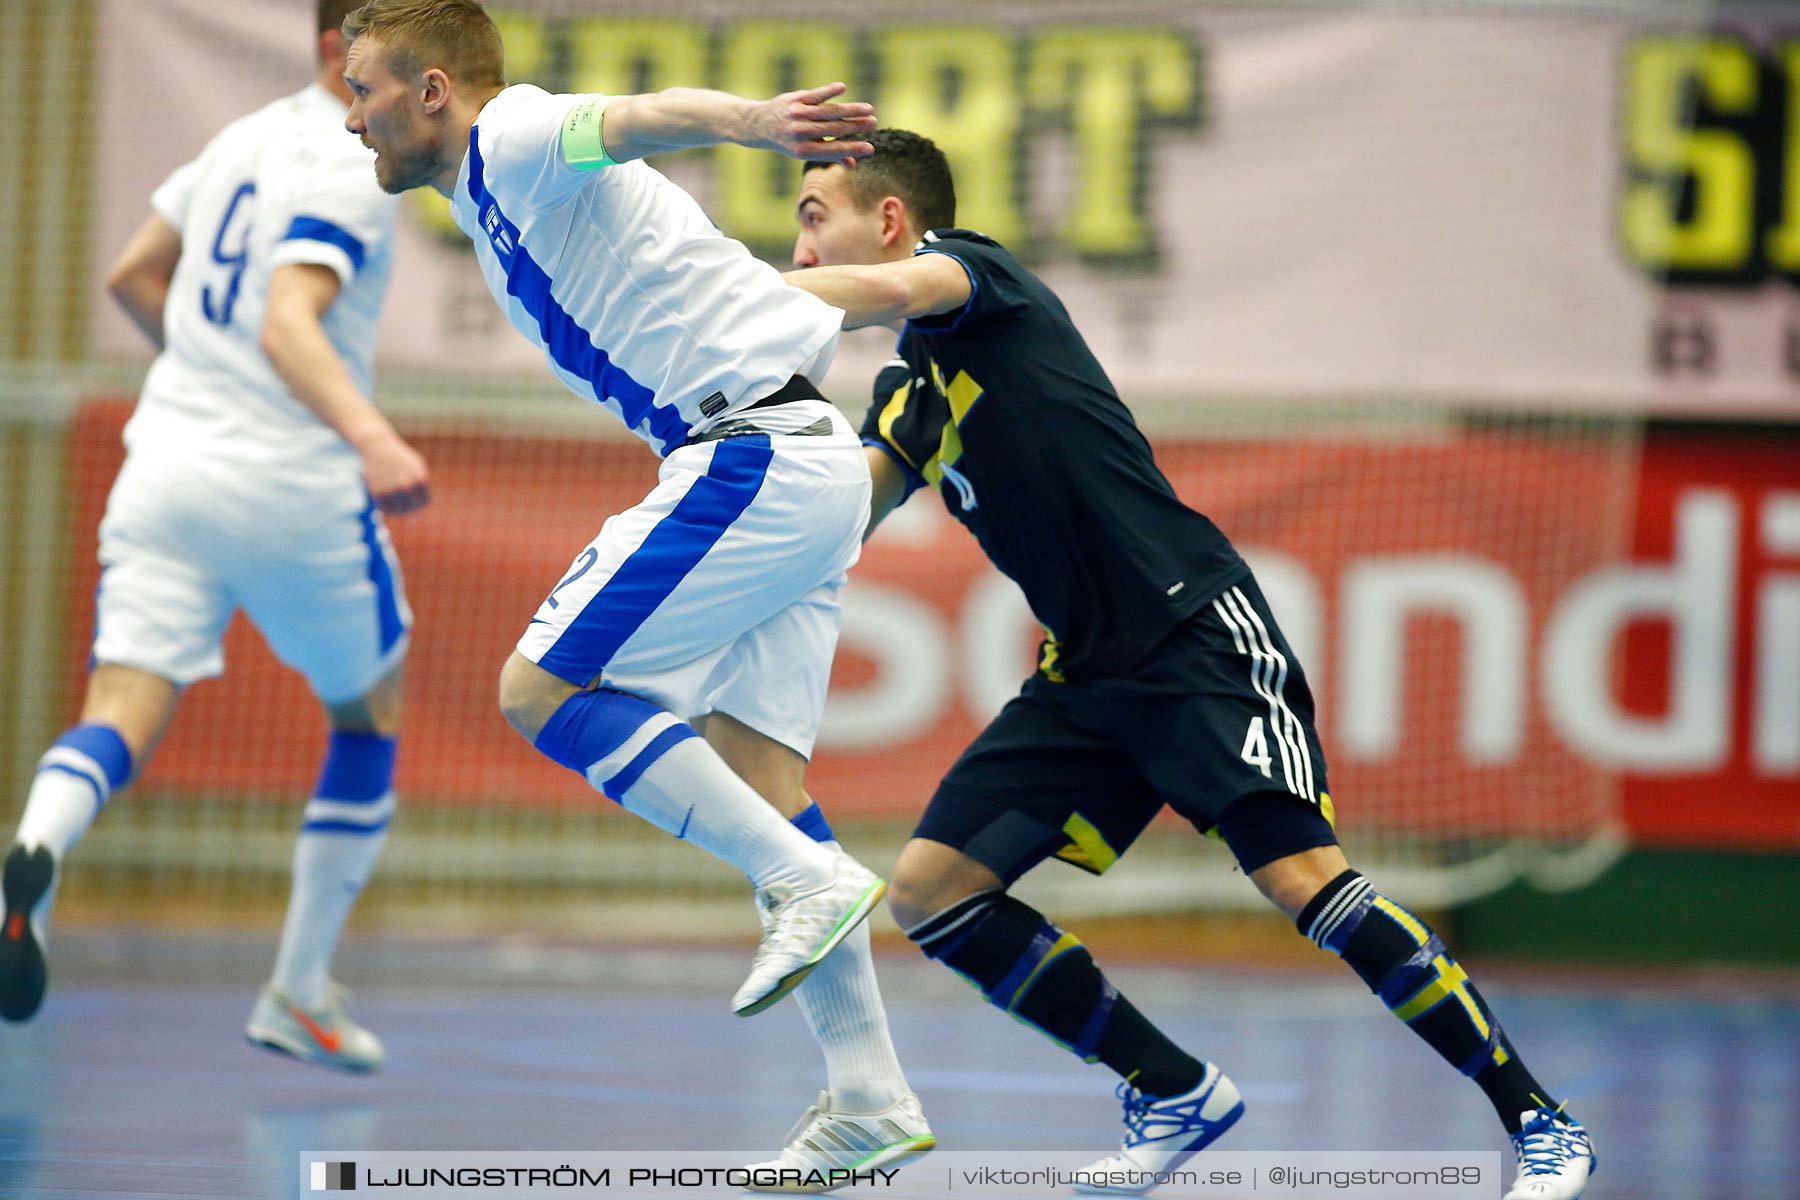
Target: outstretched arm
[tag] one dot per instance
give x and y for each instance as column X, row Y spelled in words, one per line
column 798, row 124
column 885, row 293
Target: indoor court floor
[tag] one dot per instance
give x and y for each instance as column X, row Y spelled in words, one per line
column 135, row 1081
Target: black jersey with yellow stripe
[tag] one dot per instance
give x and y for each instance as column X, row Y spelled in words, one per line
column 1001, row 407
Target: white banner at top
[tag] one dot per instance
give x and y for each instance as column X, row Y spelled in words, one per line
column 1572, row 211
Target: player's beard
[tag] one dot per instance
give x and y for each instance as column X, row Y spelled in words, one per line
column 401, row 169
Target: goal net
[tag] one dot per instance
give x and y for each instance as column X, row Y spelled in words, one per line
column 1295, row 235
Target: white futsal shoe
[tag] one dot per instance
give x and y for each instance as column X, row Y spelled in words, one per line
column 1162, row 1132
column 1556, row 1157
column 799, row 930
column 826, row 1147
column 325, row 1035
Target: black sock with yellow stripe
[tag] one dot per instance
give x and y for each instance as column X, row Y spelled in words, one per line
column 1045, row 978
column 1407, row 965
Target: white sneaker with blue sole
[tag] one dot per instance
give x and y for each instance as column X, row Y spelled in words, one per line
column 1162, row 1132
column 1556, row 1157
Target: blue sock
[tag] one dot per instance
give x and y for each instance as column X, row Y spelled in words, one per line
column 656, row 767
column 74, row 780
column 354, row 794
column 590, row 728
column 341, row 836
column 99, row 745
column 812, row 824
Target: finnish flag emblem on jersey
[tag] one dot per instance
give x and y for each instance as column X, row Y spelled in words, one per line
column 495, row 224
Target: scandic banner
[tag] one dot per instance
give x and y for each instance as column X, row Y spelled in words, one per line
column 1590, row 210
column 1488, row 658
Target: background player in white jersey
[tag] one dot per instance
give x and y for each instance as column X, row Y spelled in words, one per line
column 712, row 605
column 256, row 476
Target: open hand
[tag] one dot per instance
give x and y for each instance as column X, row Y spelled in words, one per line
column 803, row 125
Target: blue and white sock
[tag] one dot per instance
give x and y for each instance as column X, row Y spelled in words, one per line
column 74, row 780
column 344, row 829
column 842, row 1005
column 656, row 767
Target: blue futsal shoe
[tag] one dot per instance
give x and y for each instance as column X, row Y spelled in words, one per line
column 1556, row 1157
column 1163, row 1132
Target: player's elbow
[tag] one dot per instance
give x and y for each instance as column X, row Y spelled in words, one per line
column 124, row 281
column 927, row 290
column 271, row 341
column 277, row 337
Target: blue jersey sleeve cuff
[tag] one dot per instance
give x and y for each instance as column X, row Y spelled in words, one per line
column 315, row 229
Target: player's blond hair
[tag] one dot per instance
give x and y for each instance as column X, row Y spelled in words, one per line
column 456, row 36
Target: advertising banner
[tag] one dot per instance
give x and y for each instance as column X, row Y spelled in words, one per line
column 1488, row 659
column 1589, row 209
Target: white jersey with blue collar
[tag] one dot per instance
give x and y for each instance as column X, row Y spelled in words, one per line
column 636, row 298
column 284, row 184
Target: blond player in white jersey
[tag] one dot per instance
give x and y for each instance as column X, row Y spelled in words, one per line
column 256, row 477
column 680, row 664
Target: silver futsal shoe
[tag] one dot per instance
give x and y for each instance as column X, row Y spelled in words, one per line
column 825, row 1149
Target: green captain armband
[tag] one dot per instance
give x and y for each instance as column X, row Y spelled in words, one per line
column 583, row 146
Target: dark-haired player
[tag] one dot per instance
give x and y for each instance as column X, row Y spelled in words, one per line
column 1164, row 678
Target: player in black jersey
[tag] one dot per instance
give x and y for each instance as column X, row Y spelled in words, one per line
column 1163, row 678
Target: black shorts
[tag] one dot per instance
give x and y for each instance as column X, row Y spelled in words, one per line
column 1216, row 722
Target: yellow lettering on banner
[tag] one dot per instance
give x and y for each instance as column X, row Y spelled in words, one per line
column 527, row 54
column 1783, row 244
column 1114, row 83
column 765, row 58
column 621, row 56
column 958, row 86
column 1692, row 203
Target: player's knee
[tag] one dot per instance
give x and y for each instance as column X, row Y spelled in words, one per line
column 376, row 711
column 530, row 695
column 930, row 877
column 911, row 901
column 1291, row 883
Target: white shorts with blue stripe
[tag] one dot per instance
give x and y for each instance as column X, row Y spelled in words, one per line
column 190, row 537
column 718, row 592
